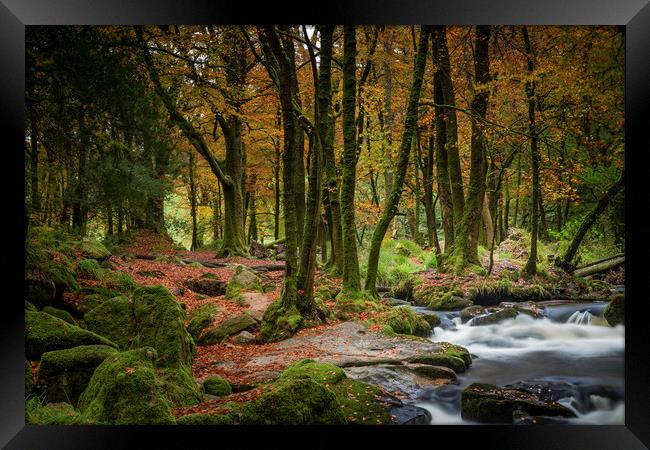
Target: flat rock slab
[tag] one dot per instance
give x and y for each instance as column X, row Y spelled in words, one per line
column 256, row 301
column 347, row 344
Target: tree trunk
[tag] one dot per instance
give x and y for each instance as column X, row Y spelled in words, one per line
column 190, row 166
column 451, row 133
column 466, row 238
column 351, row 277
column 566, row 262
column 410, row 124
column 531, row 264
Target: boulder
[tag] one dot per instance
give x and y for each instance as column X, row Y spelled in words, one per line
column 94, row 250
column 230, row 326
column 403, row 320
column 495, row 317
column 64, row 374
column 161, row 324
column 615, row 311
column 88, row 269
column 113, row 319
column 124, row 390
column 201, row 319
column 244, row 279
column 216, row 386
column 44, row 333
column 300, row 401
column 470, row 312
column 60, row 313
column 206, row 286
column 244, row 338
column 432, row 319
column 41, row 293
column 410, row 415
column 490, row 404
column 434, row 372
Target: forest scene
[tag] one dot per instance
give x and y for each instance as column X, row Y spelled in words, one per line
column 324, row 225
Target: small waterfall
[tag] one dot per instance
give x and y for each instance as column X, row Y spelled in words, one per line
column 581, row 318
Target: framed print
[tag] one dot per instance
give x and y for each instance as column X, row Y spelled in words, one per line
column 290, row 221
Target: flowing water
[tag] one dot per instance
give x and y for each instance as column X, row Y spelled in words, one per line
column 570, row 350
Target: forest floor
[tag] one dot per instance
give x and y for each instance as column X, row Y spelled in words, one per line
column 342, row 342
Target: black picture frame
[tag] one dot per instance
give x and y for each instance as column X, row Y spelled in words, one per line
column 634, row 15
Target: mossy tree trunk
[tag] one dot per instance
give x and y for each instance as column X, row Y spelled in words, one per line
column 466, row 239
column 451, row 127
column 566, row 262
column 192, row 193
column 410, row 124
column 351, row 277
column 531, row 264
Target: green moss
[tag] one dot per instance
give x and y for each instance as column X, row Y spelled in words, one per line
column 206, row 419
column 121, row 282
column 64, row 374
column 30, row 306
column 63, row 277
column 161, row 325
column 37, row 413
column 496, row 317
column 453, row 357
column 201, row 319
column 615, row 311
column 227, row 328
column 295, row 402
column 279, row 323
column 89, row 269
column 179, row 386
column 404, row 320
column 432, row 319
column 404, row 289
column 216, row 386
column 322, row 373
column 93, row 250
column 243, row 279
column 350, row 302
column 61, row 314
column 448, row 302
column 44, row 333
column 124, row 390
column 361, row 403
column 113, row 319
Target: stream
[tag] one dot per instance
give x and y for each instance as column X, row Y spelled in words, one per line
column 571, row 350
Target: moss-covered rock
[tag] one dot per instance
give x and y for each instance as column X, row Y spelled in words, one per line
column 62, row 413
column 615, row 311
column 88, row 269
column 216, row 386
column 404, row 289
column 93, row 250
column 300, row 401
column 228, row 327
column 206, row 286
column 404, row 320
column 39, row 292
column 44, row 333
column 60, row 313
column 121, row 282
column 490, row 404
column 161, row 325
column 466, row 314
column 206, row 419
column 113, row 319
column 179, row 385
column 201, row 319
column 495, row 317
column 435, row 372
column 351, row 302
column 28, row 379
column 440, row 298
column 279, row 322
column 454, row 357
column 244, row 279
column 432, row 319
column 124, row 390
column 64, row 374
column 30, row 306
column 322, row 373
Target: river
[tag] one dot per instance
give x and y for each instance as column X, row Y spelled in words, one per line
column 571, row 351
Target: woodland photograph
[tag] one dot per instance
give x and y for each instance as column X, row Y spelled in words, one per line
column 324, row 225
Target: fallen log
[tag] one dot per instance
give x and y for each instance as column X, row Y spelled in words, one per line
column 600, row 267
column 593, row 263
